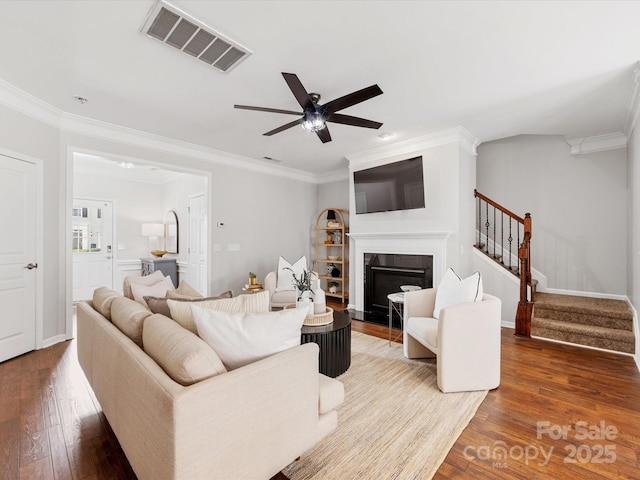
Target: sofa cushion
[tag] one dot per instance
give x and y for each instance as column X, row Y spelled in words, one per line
column 184, row 290
column 159, row 305
column 243, row 338
column 159, row 289
column 286, row 296
column 453, row 290
column 102, row 299
column 286, row 271
column 330, row 394
column 129, row 315
column 155, row 277
column 252, row 303
column 185, row 357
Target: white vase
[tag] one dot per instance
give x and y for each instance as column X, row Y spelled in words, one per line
column 303, row 299
column 319, row 300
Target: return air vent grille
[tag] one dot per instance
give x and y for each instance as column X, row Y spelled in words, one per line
column 173, row 27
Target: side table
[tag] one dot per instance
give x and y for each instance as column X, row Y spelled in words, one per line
column 167, row 266
column 396, row 305
column 334, row 341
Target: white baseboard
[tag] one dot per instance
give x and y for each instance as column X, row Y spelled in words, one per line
column 47, row 342
column 508, row 324
column 578, row 293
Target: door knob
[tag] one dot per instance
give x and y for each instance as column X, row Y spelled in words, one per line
column 31, row 266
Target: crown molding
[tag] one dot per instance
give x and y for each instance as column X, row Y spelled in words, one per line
column 32, row 106
column 27, row 104
column 598, row 143
column 459, row 135
column 633, row 108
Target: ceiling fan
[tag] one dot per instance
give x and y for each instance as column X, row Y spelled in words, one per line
column 314, row 116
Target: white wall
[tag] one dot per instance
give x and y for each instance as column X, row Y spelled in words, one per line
column 24, row 135
column 577, row 204
column 135, row 203
column 175, row 196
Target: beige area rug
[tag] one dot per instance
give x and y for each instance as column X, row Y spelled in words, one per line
column 394, row 424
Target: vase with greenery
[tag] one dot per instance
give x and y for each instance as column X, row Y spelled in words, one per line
column 252, row 278
column 333, row 286
column 303, row 284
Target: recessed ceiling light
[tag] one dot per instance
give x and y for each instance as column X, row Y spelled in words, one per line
column 80, row 100
column 126, row 164
column 385, row 136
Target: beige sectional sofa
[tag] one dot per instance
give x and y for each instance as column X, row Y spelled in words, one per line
column 182, row 416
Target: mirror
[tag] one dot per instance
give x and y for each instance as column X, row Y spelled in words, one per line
column 171, row 232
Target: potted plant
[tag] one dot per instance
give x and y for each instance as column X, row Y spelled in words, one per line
column 333, row 286
column 252, row 278
column 304, row 290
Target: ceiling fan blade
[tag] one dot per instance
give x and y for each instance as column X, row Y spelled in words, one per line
column 283, row 128
column 355, row 121
column 298, row 91
column 352, row 98
column 263, row 109
column 324, row 135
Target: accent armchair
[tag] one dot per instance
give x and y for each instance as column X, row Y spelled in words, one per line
column 465, row 339
column 279, row 299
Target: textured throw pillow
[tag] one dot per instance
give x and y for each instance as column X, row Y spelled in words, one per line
column 159, row 289
column 159, row 305
column 243, row 338
column 185, row 357
column 453, row 290
column 155, row 277
column 285, row 276
column 253, row 303
column 184, row 290
column 102, row 299
column 129, row 315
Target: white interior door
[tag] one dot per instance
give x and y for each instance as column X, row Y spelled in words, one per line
column 92, row 246
column 18, row 263
column 198, row 243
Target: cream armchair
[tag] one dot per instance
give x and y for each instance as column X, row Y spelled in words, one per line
column 282, row 298
column 465, row 339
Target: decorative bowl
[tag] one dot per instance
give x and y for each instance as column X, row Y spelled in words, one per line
column 158, row 253
column 334, row 257
column 409, row 288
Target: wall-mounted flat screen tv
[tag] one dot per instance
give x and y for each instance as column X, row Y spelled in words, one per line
column 394, row 186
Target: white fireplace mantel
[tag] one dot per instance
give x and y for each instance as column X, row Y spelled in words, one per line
column 408, row 243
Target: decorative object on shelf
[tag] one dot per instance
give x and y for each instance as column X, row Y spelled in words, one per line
column 335, row 272
column 252, row 278
column 331, row 219
column 333, row 286
column 337, row 237
column 329, row 239
column 333, row 258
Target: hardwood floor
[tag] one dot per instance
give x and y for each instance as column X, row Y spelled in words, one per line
column 52, row 427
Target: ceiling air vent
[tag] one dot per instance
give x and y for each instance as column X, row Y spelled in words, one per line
column 174, row 27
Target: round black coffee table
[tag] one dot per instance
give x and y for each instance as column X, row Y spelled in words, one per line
column 334, row 341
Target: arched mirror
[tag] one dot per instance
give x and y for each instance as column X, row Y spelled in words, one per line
column 171, row 232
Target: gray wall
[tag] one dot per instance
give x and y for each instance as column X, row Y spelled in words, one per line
column 577, row 204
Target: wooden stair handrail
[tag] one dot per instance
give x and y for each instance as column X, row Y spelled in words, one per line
column 525, row 305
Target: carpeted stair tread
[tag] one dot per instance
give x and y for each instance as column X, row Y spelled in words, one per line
column 595, row 322
column 593, row 336
column 604, row 307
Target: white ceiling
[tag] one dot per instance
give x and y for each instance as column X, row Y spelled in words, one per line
column 497, row 68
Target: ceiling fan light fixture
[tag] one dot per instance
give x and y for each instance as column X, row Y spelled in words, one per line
column 313, row 121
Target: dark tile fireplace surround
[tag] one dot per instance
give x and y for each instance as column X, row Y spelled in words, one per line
column 384, row 274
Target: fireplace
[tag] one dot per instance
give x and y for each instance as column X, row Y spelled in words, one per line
column 385, row 273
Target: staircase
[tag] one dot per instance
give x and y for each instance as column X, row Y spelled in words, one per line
column 592, row 322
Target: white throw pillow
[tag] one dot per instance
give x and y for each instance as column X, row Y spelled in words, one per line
column 453, row 290
column 159, row 289
column 243, row 338
column 285, row 276
column 252, row 303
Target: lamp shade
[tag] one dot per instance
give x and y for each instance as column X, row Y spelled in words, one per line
column 153, row 229
column 331, row 215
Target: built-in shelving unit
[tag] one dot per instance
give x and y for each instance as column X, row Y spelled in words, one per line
column 332, row 251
